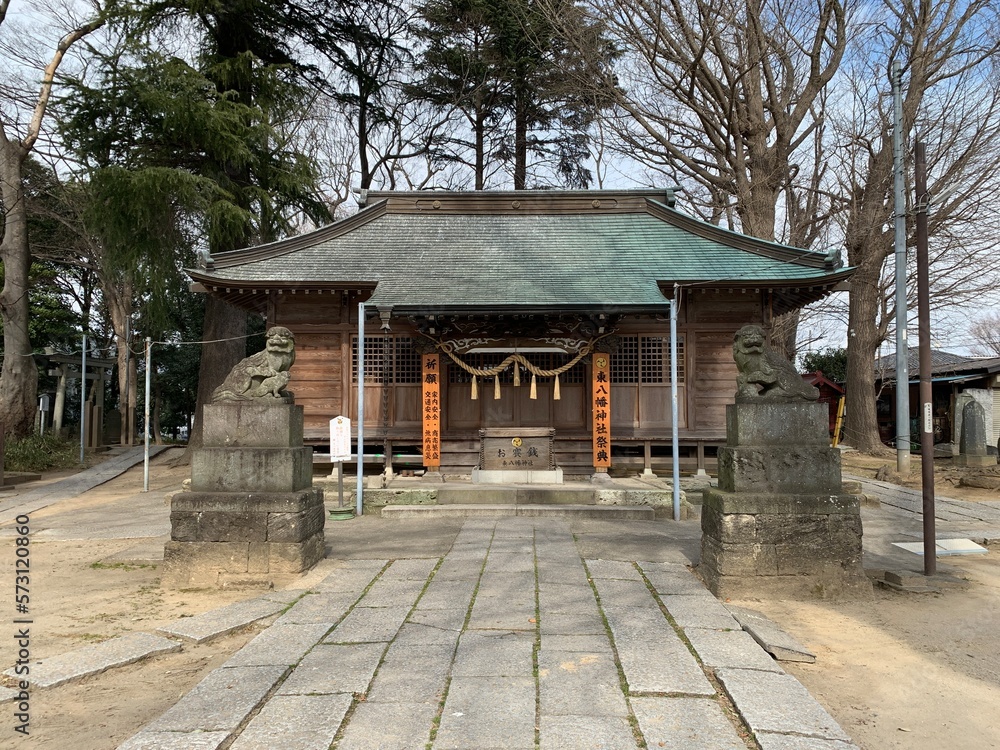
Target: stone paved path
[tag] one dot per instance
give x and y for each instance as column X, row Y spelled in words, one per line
column 510, row 641
column 50, row 494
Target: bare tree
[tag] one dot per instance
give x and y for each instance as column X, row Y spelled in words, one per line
column 986, row 332
column 19, row 376
column 726, row 98
column 951, row 102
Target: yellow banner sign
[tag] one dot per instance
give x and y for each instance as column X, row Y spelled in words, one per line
column 601, row 411
column 431, row 380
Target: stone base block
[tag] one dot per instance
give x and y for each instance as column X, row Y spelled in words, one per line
column 246, row 517
column 249, row 424
column 782, row 545
column 753, row 503
column 965, row 459
column 251, row 469
column 779, row 469
column 238, row 564
column 777, row 424
column 835, row 585
column 510, row 476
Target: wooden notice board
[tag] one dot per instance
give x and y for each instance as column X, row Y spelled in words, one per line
column 601, row 409
column 431, row 381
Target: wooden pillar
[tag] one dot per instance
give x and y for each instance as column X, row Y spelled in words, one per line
column 431, row 403
column 601, row 413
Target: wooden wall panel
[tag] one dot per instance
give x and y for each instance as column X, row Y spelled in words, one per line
column 714, row 383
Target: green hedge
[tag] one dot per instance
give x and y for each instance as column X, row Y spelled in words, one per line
column 41, row 453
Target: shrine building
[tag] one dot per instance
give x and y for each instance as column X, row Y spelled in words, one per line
column 542, row 311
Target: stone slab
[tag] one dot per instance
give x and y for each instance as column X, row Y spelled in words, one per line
column 769, row 741
column 318, row 608
column 7, row 694
column 334, row 669
column 673, row 578
column 685, row 724
column 562, row 598
column 452, row 620
column 730, row 648
column 592, row 732
column 517, row 476
column 411, row 569
column 488, row 712
column 352, row 575
column 410, row 683
column 612, row 569
column 503, row 613
column 699, row 612
column 571, row 623
column 369, row 625
column 669, row 668
column 146, row 740
column 219, row 622
column 570, row 644
column 778, row 703
column 527, row 511
column 389, row 593
column 279, row 645
column 96, row 658
column 443, row 594
column 221, row 701
column 499, row 654
column 295, row 722
column 579, row 684
column 389, row 726
column 771, row 638
column 237, row 424
column 618, row 593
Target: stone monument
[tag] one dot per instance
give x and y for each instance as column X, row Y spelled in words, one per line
column 972, row 445
column 778, row 525
column 251, row 516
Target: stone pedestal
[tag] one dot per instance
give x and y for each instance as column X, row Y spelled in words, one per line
column 252, row 516
column 779, row 524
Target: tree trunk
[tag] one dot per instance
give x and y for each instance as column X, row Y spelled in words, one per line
column 19, row 375
column 118, row 298
column 224, row 334
column 520, row 141
column 861, row 421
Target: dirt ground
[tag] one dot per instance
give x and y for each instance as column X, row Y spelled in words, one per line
column 914, row 671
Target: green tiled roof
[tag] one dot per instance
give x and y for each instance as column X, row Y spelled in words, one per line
column 494, row 260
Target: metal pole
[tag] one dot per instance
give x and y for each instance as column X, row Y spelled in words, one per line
column 926, row 403
column 675, row 451
column 903, row 436
column 145, row 423
column 83, row 398
column 361, row 407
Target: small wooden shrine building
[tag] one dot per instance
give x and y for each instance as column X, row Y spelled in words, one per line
column 530, row 309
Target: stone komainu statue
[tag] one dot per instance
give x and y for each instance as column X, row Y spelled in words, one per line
column 263, row 375
column 763, row 374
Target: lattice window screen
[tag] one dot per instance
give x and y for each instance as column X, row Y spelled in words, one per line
column 645, row 359
column 403, row 361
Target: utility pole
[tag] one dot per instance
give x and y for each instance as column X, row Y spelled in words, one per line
column 924, row 322
column 903, row 436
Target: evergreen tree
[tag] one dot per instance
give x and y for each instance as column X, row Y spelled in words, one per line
column 499, row 64
column 189, row 150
